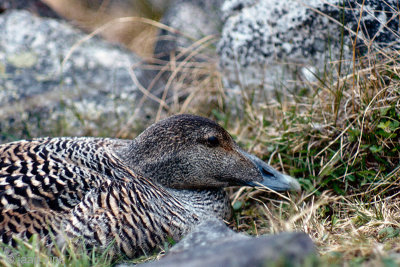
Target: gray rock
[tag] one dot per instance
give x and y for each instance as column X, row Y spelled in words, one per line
column 212, row 243
column 211, row 231
column 267, row 42
column 193, row 19
column 93, row 90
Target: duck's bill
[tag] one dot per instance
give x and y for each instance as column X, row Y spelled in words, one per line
column 272, row 178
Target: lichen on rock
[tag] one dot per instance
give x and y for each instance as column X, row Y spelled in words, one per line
column 272, row 42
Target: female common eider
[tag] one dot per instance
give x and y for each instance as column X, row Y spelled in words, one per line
column 133, row 193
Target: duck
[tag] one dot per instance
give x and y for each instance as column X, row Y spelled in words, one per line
column 132, row 195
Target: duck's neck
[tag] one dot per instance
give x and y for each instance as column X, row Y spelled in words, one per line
column 146, row 160
column 206, row 203
column 134, row 153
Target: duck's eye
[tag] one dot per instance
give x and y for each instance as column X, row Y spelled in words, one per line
column 212, row 141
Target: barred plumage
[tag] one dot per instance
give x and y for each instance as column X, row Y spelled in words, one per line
column 135, row 193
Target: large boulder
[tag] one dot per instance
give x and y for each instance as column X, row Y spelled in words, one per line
column 92, row 93
column 270, row 43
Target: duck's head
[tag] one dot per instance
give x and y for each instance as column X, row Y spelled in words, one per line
column 192, row 152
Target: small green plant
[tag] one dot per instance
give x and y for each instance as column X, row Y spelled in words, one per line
column 34, row 253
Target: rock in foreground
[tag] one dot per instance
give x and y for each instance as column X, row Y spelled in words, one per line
column 213, row 244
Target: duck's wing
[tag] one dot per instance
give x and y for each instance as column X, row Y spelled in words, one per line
column 134, row 216
column 42, row 180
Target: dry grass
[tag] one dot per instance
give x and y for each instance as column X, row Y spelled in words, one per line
column 344, row 229
column 342, row 140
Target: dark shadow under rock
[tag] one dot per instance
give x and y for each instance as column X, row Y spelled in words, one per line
column 212, row 243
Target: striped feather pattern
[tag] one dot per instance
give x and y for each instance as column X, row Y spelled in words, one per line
column 78, row 187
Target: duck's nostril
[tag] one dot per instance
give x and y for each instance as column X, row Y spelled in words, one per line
column 266, row 172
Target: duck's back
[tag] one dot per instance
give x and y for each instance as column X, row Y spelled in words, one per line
column 40, row 180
